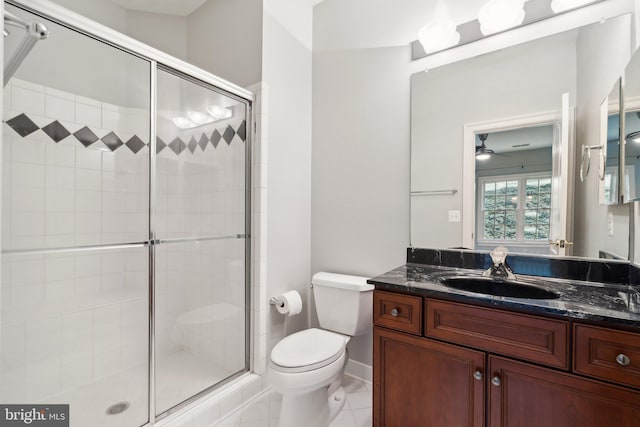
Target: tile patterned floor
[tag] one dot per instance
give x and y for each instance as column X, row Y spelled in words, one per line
column 265, row 410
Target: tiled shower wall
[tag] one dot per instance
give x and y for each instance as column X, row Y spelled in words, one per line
column 76, row 174
column 72, row 318
column 201, row 193
column 59, row 192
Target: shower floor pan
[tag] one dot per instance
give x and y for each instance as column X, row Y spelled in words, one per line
column 186, row 375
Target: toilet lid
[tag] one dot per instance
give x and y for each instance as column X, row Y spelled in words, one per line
column 308, row 348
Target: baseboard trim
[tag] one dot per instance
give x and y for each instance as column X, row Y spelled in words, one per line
column 359, row 370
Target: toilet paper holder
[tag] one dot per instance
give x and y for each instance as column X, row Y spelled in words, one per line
column 276, row 301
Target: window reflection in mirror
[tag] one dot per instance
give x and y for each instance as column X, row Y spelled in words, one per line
column 513, row 189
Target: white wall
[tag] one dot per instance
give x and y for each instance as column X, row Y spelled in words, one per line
column 603, row 51
column 105, row 12
column 224, row 37
column 167, row 33
column 360, row 170
column 123, row 78
column 286, row 75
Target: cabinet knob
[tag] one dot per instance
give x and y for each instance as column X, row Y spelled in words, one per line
column 623, row 359
column 495, row 381
column 395, row 312
column 477, row 375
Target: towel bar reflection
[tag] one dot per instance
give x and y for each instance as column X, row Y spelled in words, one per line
column 585, row 163
column 434, row 192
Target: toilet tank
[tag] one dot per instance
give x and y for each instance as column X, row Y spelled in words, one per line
column 344, row 303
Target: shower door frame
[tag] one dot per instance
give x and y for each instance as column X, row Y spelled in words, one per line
column 163, row 61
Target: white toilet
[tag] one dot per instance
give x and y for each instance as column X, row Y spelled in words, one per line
column 306, row 367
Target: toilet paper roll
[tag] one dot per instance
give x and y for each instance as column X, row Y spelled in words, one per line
column 291, row 303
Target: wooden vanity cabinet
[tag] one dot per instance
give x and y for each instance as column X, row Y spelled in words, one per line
column 525, row 395
column 476, row 366
column 421, row 382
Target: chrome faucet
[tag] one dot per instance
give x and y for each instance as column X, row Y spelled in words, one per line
column 500, row 268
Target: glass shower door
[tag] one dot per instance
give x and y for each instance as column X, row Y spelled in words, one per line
column 199, row 221
column 74, row 316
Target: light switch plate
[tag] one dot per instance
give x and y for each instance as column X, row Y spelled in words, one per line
column 454, row 216
column 610, row 224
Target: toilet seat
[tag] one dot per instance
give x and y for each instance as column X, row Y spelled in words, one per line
column 308, row 350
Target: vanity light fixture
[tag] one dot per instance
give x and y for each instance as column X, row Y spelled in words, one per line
column 495, row 16
column 199, row 118
column 183, row 122
column 218, row 112
column 500, row 15
column 439, row 33
column 562, row 5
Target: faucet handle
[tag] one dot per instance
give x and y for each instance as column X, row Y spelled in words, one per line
column 499, row 255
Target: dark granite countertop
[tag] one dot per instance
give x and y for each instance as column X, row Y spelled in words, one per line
column 601, row 302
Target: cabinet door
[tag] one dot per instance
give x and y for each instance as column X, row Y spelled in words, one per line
column 523, row 395
column 420, row 382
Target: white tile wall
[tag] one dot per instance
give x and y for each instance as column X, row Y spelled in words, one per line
column 57, row 334
column 53, row 186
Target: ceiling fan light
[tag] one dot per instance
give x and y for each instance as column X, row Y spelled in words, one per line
column 482, row 155
column 562, row 5
column 500, row 15
column 634, row 137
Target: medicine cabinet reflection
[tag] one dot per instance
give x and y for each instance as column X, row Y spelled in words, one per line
column 609, row 150
column 631, row 91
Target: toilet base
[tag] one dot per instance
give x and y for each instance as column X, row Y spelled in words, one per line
column 316, row 409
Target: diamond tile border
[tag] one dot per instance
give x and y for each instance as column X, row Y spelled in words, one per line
column 55, row 130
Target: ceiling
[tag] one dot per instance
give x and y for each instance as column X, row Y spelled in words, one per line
column 170, row 7
column 529, row 138
column 166, row 7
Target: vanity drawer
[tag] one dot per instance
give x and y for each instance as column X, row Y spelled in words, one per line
column 526, row 337
column 396, row 311
column 607, row 354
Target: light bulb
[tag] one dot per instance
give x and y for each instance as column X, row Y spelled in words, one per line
column 183, row 122
column 218, row 112
column 199, row 118
column 439, row 33
column 500, row 15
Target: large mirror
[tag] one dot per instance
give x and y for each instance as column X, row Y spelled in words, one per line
column 631, row 91
column 532, row 107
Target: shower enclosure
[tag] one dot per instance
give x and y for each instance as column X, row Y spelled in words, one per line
column 125, row 226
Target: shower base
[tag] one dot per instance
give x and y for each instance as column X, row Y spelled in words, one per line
column 185, row 375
